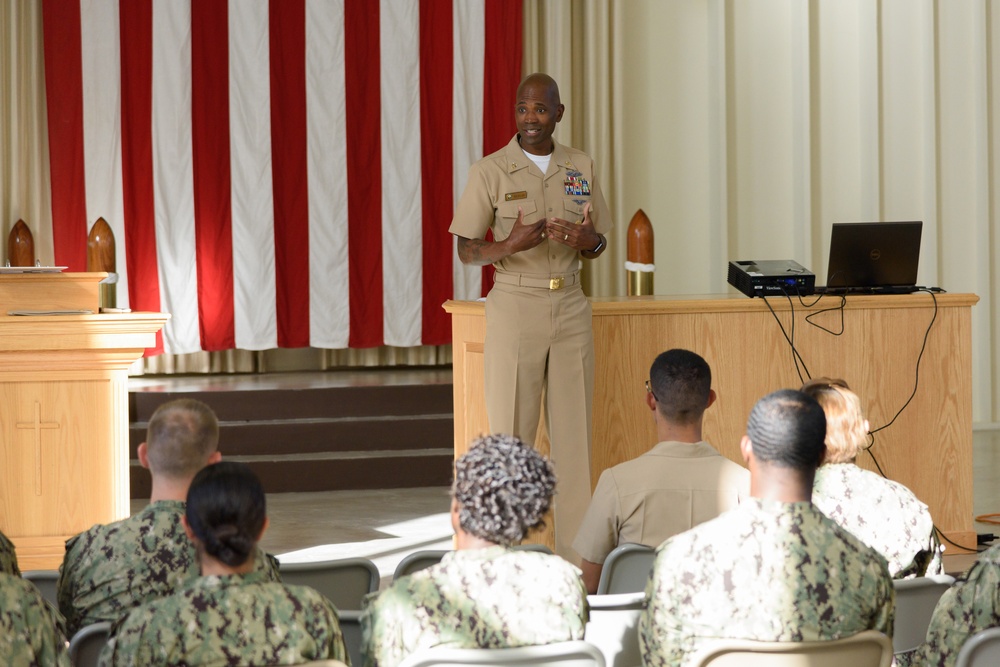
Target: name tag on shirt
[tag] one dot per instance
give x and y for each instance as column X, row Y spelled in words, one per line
column 511, row 196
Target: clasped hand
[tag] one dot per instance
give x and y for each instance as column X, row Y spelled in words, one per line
column 579, row 236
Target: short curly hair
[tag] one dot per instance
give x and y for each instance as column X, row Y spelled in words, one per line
column 787, row 428
column 503, row 488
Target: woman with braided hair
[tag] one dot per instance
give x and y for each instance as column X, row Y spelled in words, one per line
column 484, row 594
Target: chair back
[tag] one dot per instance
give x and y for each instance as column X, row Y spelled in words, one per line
column 86, row 646
column 865, row 649
column 981, row 650
column 344, row 582
column 350, row 626
column 45, row 581
column 626, row 569
column 418, row 560
column 614, row 627
column 564, row 654
column 915, row 602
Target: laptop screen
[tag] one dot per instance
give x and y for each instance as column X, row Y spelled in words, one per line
column 874, row 254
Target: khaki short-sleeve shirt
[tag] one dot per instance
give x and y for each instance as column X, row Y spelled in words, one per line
column 501, row 183
column 666, row 491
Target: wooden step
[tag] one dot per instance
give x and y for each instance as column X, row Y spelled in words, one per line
column 390, row 431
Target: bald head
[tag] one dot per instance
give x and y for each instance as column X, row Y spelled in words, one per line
column 540, row 82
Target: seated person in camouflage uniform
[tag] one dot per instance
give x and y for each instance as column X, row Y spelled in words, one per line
column 773, row 569
column 29, row 627
column 484, row 594
column 676, row 485
column 231, row 614
column 8, row 557
column 971, row 605
column 884, row 514
column 112, row 568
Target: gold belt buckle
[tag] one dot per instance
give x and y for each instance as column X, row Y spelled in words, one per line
column 556, row 283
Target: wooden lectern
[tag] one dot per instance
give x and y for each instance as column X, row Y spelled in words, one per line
column 63, row 410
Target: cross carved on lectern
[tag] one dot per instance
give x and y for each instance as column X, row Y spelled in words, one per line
column 37, row 425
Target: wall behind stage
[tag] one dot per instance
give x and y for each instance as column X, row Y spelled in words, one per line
column 745, row 130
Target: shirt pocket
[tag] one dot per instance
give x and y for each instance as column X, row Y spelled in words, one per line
column 508, row 209
column 507, row 216
column 573, row 210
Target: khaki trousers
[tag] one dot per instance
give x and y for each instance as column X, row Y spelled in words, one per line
column 542, row 340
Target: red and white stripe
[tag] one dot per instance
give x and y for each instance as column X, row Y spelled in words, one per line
column 278, row 173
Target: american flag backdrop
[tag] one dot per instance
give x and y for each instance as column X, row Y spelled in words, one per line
column 277, row 173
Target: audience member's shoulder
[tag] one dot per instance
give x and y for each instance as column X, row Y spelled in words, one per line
column 850, row 543
column 304, row 596
column 854, row 476
column 718, row 530
column 83, row 541
column 8, row 557
column 14, row 587
column 987, row 563
column 101, row 534
column 403, row 593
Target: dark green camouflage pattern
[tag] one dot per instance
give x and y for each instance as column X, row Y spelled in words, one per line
column 110, row 569
column 229, row 620
column 883, row 514
column 8, row 557
column 29, row 627
column 972, row 604
column 490, row 598
column 765, row 571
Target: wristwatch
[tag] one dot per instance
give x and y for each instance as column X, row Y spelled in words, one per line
column 600, row 245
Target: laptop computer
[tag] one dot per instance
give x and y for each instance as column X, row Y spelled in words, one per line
column 873, row 258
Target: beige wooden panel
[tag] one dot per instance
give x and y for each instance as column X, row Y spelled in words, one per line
column 55, row 480
column 64, row 426
column 928, row 448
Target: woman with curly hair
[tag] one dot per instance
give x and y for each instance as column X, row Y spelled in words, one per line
column 485, row 594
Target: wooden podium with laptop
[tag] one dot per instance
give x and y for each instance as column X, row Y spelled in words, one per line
column 63, row 408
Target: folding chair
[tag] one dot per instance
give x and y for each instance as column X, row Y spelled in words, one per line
column 344, row 582
column 564, row 654
column 626, row 569
column 865, row 649
column 915, row 602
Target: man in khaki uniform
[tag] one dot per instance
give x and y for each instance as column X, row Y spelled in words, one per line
column 681, row 482
column 546, row 210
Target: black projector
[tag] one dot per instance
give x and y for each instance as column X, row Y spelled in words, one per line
column 771, row 277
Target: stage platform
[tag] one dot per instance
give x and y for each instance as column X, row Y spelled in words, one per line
column 317, row 431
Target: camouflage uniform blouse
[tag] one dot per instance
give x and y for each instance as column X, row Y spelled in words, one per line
column 237, row 619
column 8, row 557
column 490, row 598
column 884, row 514
column 766, row 571
column 970, row 605
column 112, row 568
column 29, row 628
